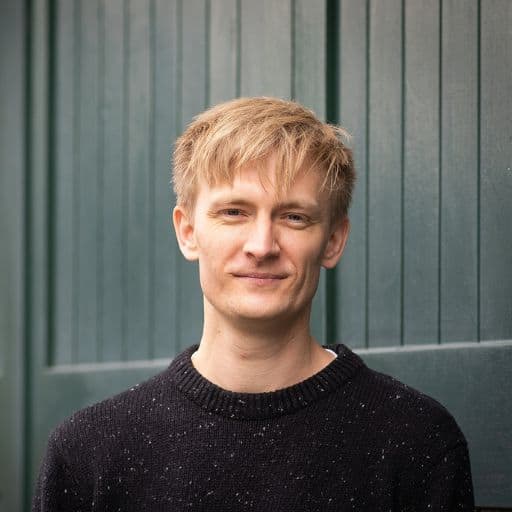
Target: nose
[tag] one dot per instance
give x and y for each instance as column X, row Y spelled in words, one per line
column 261, row 242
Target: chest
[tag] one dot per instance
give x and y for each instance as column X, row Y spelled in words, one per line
column 258, row 467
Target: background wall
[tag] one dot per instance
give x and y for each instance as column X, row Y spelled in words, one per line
column 94, row 295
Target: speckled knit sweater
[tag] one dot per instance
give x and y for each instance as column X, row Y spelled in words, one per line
column 347, row 438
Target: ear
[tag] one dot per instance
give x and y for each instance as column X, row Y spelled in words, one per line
column 336, row 243
column 185, row 233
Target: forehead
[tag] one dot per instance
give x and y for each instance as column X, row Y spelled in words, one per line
column 264, row 183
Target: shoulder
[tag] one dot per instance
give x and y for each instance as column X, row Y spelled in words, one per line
column 113, row 418
column 418, row 425
column 400, row 412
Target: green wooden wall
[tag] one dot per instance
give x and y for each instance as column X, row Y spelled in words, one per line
column 94, row 294
column 12, row 253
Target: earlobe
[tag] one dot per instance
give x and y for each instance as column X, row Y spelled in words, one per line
column 336, row 244
column 185, row 233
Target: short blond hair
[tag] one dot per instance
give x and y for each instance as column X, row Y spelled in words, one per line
column 223, row 139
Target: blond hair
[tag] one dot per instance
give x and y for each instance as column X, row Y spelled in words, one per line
column 223, row 139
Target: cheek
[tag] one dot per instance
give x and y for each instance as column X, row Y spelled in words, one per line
column 310, row 249
column 215, row 250
column 210, row 276
column 310, row 262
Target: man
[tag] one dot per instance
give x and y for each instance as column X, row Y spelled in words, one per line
column 259, row 416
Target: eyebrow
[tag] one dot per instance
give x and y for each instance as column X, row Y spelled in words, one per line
column 300, row 205
column 226, row 201
column 313, row 207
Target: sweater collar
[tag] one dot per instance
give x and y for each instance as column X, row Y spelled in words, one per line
column 234, row 405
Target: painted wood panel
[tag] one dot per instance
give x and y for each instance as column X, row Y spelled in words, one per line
column 351, row 274
column 459, row 172
column 309, row 56
column 164, row 131
column 65, row 151
column 266, row 48
column 496, row 171
column 224, row 50
column 385, row 173
column 111, row 333
column 86, row 181
column 13, row 162
column 138, row 75
column 421, row 173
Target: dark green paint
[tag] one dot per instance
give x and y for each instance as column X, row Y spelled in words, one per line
column 496, row 171
column 223, row 50
column 384, row 195
column 351, row 272
column 266, row 48
column 459, row 172
column 164, row 130
column 13, row 163
column 113, row 163
column 421, row 172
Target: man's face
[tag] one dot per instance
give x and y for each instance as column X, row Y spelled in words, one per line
column 260, row 252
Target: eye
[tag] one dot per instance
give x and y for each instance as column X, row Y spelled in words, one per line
column 231, row 215
column 232, row 212
column 295, row 218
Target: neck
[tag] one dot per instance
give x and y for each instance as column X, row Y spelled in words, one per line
column 254, row 358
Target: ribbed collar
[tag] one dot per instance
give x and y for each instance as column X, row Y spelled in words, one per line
column 262, row 405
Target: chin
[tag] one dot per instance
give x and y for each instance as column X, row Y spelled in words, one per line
column 263, row 313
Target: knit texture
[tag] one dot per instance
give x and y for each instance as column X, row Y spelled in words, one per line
column 347, row 438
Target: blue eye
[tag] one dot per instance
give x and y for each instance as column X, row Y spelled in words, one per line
column 232, row 212
column 295, row 217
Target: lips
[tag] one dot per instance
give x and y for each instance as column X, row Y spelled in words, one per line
column 260, row 275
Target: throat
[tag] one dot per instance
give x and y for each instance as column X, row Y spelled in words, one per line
column 243, row 367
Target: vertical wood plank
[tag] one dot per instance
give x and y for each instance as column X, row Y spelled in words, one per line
column 309, row 55
column 165, row 247
column 194, row 99
column 459, row 178
column 37, row 326
column 266, row 53
column 87, row 207
column 113, row 119
column 385, row 174
column 64, row 212
column 496, row 170
column 12, row 163
column 138, row 226
column 13, row 274
column 194, row 86
column 351, row 272
column 421, row 172
column 223, row 48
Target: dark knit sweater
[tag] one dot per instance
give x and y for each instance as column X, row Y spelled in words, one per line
column 347, row 438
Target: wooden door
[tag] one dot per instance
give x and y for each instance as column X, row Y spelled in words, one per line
column 424, row 291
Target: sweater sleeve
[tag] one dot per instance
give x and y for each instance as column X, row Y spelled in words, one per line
column 55, row 489
column 444, row 487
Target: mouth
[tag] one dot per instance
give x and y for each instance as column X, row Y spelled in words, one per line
column 260, row 277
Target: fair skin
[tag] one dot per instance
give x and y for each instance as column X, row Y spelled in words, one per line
column 259, row 255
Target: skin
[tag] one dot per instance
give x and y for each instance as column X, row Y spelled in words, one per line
column 260, row 255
